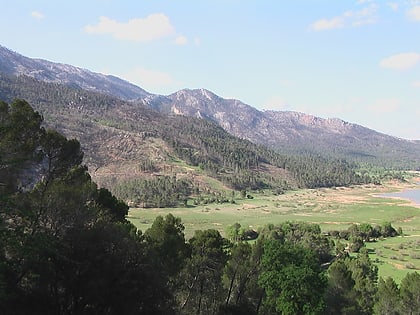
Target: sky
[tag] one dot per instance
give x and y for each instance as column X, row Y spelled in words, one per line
column 355, row 60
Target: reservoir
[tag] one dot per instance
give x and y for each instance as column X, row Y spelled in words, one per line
column 409, row 194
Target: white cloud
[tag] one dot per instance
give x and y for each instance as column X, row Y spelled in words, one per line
column 197, row 41
column 181, row 40
column 362, row 22
column 393, row 5
column 415, row 84
column 414, row 13
column 365, row 12
column 328, row 24
column 37, row 15
column 148, row 78
column 384, row 105
column 360, row 17
column 403, row 61
column 152, row 27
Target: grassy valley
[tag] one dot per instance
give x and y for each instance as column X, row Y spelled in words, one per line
column 331, row 208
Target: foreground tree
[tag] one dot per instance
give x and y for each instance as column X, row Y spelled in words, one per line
column 365, row 276
column 292, row 278
column 200, row 288
column 303, row 234
column 167, row 242
column 20, row 133
column 387, row 298
column 340, row 295
column 241, row 278
column 410, row 294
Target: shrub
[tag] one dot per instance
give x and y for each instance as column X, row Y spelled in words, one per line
column 410, row 265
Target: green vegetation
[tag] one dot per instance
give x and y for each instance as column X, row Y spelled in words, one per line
column 335, row 209
column 66, row 246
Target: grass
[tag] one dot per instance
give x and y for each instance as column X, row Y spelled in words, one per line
column 332, row 209
column 397, row 256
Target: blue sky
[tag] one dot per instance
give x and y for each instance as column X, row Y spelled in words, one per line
column 356, row 60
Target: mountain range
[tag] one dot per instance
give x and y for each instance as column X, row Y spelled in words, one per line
column 282, row 131
column 289, row 131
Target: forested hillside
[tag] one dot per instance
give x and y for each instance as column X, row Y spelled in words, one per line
column 66, row 248
column 293, row 132
column 125, row 143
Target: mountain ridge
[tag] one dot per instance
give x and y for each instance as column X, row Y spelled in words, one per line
column 16, row 64
column 285, row 131
column 290, row 131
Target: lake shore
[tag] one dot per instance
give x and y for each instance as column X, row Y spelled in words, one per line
column 399, row 188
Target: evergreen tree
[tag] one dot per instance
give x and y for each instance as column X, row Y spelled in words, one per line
column 340, row 294
column 365, row 276
column 200, row 282
column 166, row 239
column 387, row 298
column 410, row 294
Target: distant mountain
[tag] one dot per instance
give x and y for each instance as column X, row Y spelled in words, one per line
column 284, row 131
column 15, row 64
column 293, row 132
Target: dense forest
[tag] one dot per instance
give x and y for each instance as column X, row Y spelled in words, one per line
column 66, row 248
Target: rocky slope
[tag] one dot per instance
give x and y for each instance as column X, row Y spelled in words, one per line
column 15, row 64
column 292, row 131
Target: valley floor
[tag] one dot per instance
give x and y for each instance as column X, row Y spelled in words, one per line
column 331, row 208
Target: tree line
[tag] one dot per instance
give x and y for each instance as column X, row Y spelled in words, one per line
column 155, row 192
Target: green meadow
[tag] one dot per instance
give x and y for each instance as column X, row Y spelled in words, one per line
column 332, row 209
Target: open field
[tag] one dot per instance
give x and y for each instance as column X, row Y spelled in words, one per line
column 332, row 209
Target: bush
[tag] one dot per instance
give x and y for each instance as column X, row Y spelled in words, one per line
column 410, row 265
column 415, row 255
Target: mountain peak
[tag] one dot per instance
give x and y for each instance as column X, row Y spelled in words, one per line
column 202, row 94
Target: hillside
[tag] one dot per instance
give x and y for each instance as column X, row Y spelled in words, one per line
column 284, row 131
column 126, row 142
column 292, row 132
